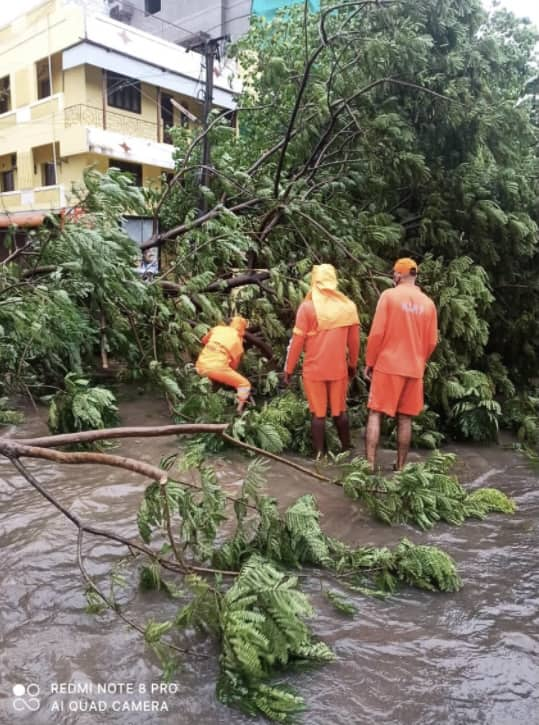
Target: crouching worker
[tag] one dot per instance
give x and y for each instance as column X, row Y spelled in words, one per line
column 326, row 329
column 221, row 355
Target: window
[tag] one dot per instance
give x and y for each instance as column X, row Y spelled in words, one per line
column 184, row 120
column 152, row 6
column 48, row 174
column 5, row 95
column 123, row 92
column 8, row 180
column 134, row 169
column 43, row 79
column 167, row 116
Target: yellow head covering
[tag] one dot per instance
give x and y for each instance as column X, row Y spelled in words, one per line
column 239, row 324
column 332, row 308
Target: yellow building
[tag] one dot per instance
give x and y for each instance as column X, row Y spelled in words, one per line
column 78, row 88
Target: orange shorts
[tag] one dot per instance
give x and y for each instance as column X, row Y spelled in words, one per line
column 392, row 394
column 320, row 392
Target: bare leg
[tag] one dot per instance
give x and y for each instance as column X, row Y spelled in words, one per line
column 318, row 430
column 343, row 429
column 372, row 436
column 404, row 437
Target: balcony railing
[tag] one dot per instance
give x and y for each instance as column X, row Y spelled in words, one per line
column 42, row 197
column 82, row 115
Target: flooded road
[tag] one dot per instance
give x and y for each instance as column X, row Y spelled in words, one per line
column 414, row 659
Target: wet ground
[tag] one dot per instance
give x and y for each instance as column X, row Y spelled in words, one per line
column 414, row 659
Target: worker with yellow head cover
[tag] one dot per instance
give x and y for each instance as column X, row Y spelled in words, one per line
column 221, row 355
column 327, row 331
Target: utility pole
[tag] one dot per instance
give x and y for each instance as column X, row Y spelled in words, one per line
column 210, row 51
column 210, row 48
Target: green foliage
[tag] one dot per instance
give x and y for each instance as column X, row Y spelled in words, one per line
column 260, row 617
column 421, row 494
column 9, row 416
column 425, row 567
column 76, row 292
column 340, row 603
column 195, row 512
column 263, row 628
column 378, row 572
column 94, row 603
column 204, row 609
column 521, row 415
column 283, row 423
column 80, row 407
column 484, row 500
column 473, row 414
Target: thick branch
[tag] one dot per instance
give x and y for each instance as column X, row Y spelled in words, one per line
column 66, row 439
column 239, row 281
column 18, row 251
column 159, row 239
column 46, row 269
column 16, row 450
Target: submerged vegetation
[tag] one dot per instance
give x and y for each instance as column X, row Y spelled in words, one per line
column 422, row 494
column 260, row 620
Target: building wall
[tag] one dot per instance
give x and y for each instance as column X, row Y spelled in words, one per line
column 75, row 120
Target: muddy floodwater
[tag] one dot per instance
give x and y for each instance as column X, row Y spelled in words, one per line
column 414, row 659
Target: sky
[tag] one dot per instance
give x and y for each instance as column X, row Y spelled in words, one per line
column 528, row 8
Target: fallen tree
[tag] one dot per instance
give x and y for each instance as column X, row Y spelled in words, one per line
column 362, row 138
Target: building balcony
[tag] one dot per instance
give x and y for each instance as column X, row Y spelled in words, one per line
column 81, row 115
column 46, row 198
column 44, row 109
column 89, row 129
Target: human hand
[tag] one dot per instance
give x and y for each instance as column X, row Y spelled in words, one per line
column 367, row 372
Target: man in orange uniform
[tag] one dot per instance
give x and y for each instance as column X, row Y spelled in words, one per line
column 221, row 355
column 402, row 338
column 327, row 325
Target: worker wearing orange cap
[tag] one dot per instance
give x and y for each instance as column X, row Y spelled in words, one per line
column 221, row 355
column 403, row 336
column 327, row 330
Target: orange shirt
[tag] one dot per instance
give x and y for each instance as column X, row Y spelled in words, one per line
column 325, row 350
column 403, row 332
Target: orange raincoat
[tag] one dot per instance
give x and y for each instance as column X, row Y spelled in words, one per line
column 327, row 330
column 221, row 355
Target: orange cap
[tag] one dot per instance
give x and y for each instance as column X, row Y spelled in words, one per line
column 404, row 265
